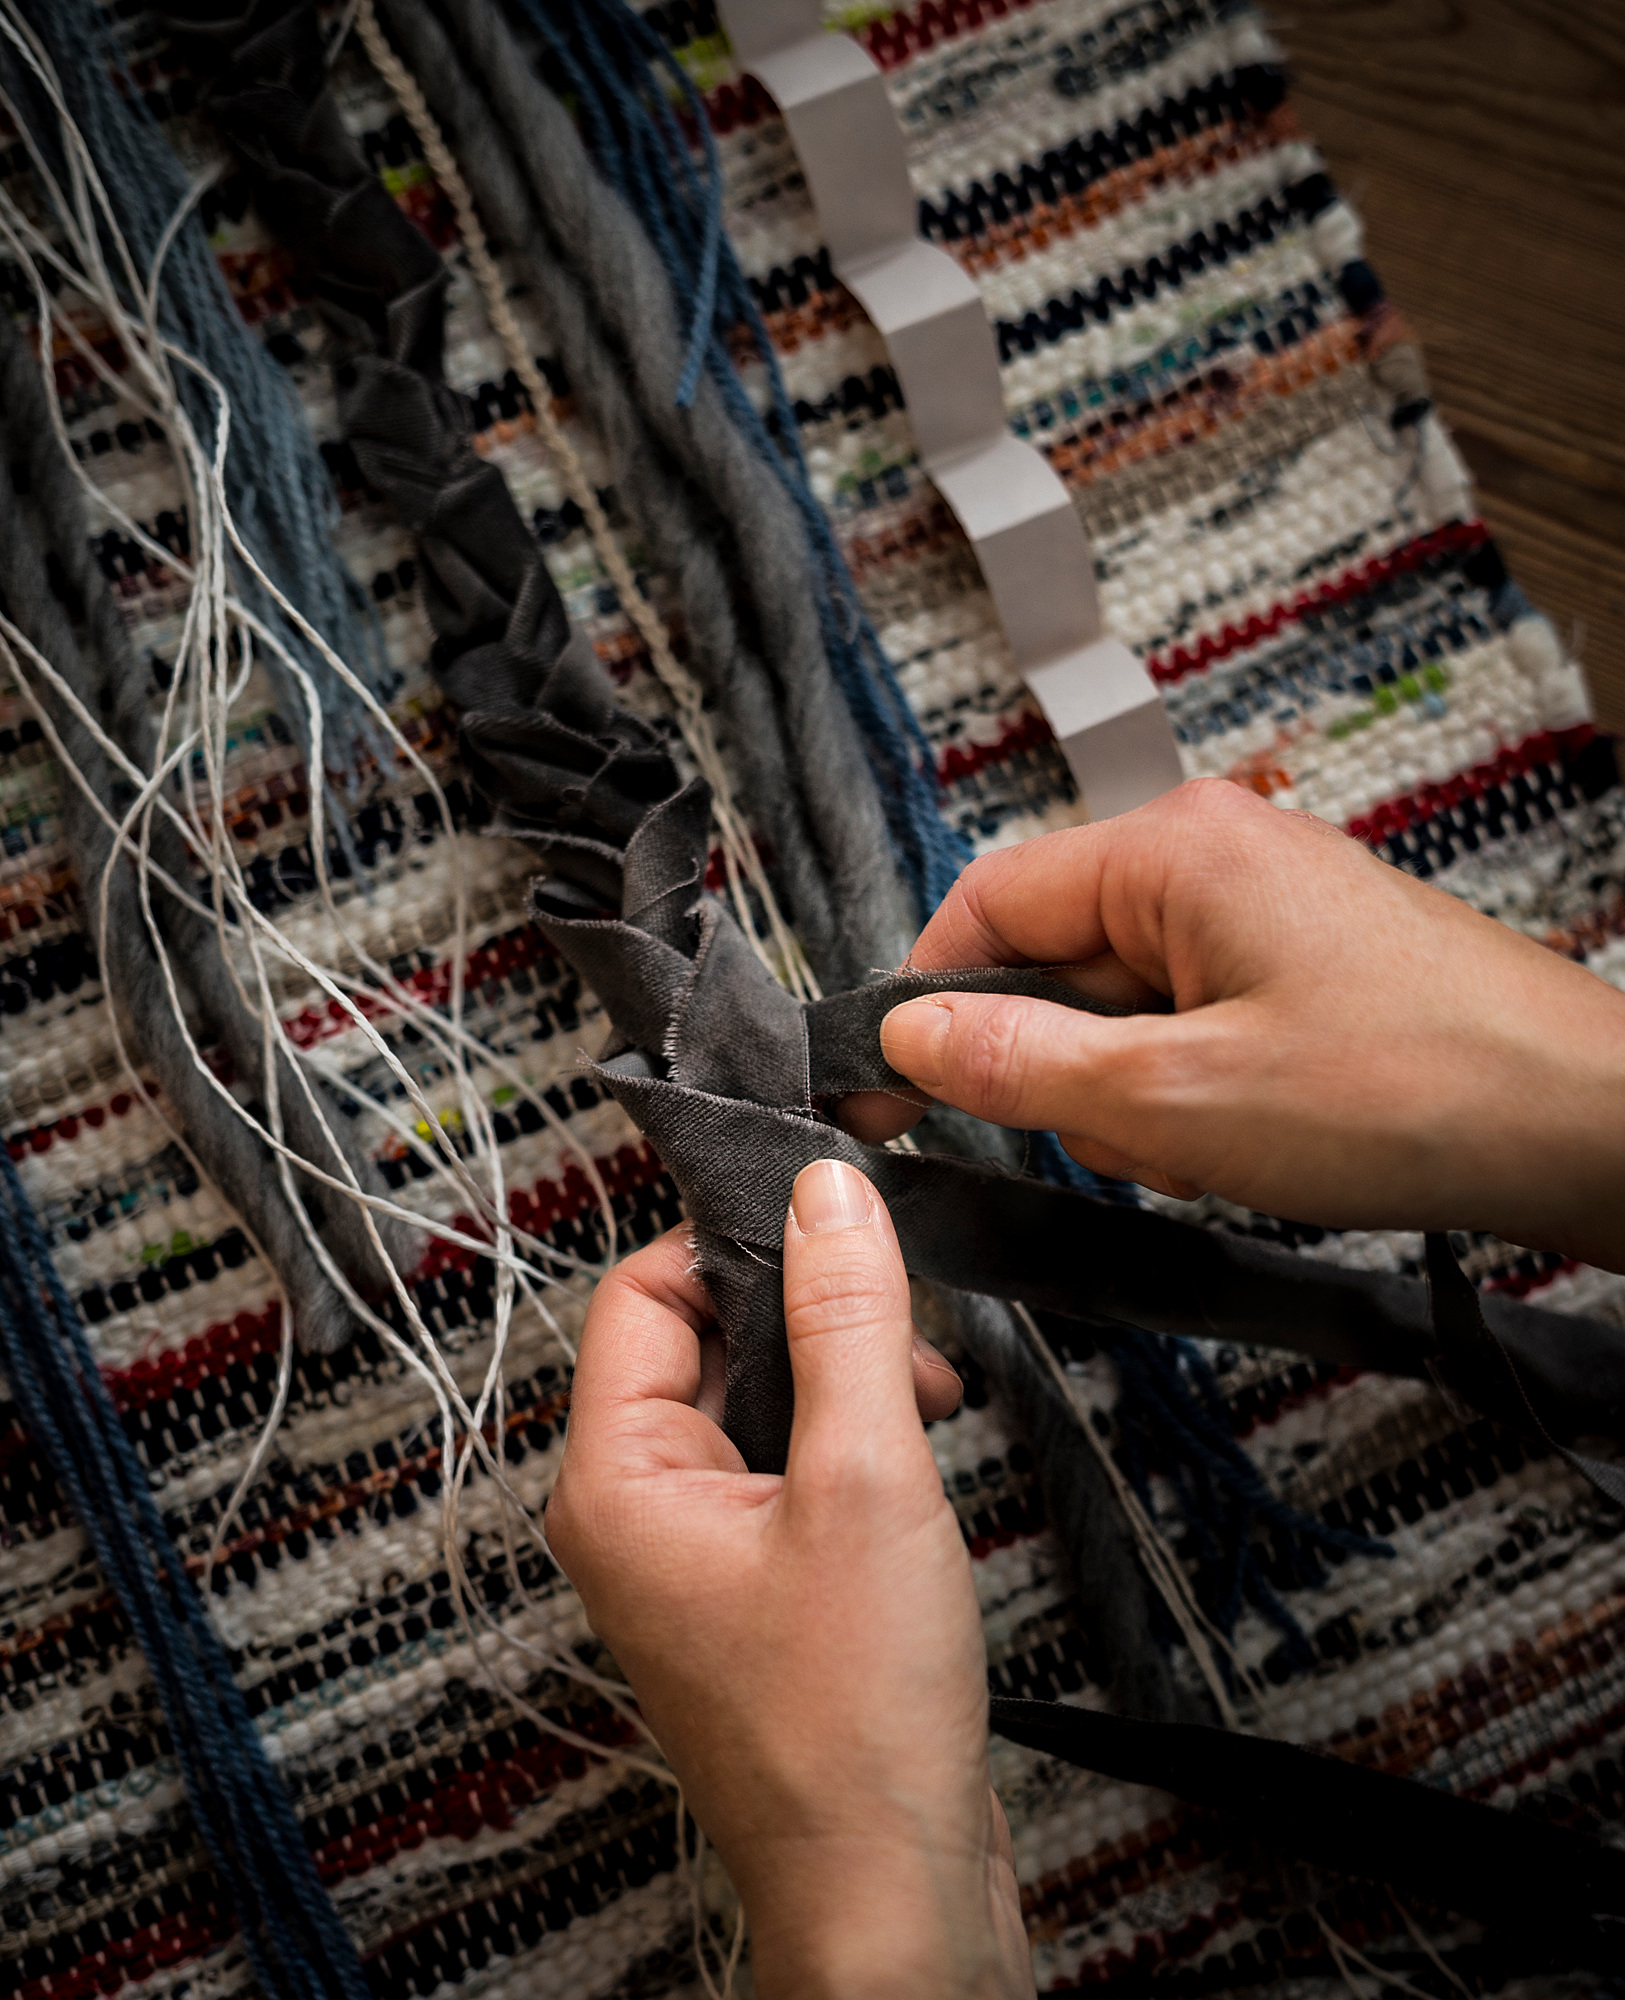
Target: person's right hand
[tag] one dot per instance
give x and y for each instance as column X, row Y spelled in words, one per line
column 1347, row 1046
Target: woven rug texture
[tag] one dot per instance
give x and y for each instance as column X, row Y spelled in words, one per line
column 1321, row 633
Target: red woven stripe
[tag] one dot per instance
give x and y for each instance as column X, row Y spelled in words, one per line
column 1181, row 660
column 1428, row 801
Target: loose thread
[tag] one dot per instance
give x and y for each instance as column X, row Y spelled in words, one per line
column 1172, row 1412
column 1206, row 1642
column 221, row 638
column 274, row 475
column 1342, row 1951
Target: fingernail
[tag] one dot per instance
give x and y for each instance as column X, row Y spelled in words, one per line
column 939, row 1362
column 830, row 1195
column 914, row 1039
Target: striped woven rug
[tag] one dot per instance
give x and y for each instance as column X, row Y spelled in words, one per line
column 1197, row 344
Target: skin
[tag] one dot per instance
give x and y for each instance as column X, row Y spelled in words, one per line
column 1333, row 1041
column 806, row 1648
column 1319, row 1036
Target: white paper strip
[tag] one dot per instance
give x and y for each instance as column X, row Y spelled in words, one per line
column 1035, row 558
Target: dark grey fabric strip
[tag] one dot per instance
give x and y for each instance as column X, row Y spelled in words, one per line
column 843, row 1031
column 728, row 1075
column 1513, row 1870
column 977, row 1229
column 1577, row 1374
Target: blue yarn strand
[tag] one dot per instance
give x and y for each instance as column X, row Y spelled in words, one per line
column 705, row 306
column 612, row 63
column 1172, row 1413
column 703, row 310
column 296, row 1943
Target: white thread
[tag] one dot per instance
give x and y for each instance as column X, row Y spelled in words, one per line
column 1203, row 1637
column 214, row 659
column 1341, row 1949
column 1442, row 1964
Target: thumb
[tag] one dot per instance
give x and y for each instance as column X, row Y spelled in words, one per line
column 1021, row 1062
column 850, row 1328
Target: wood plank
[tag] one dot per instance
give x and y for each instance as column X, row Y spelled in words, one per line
column 1484, row 143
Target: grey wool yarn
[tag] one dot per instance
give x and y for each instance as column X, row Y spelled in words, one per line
column 99, row 666
column 694, row 488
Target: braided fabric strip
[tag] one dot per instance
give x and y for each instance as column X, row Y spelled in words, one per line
column 714, row 1059
column 541, row 730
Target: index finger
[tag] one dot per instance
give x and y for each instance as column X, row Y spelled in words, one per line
column 638, row 1368
column 1036, row 904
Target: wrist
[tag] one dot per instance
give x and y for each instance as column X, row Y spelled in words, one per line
column 895, row 1922
column 1566, row 1169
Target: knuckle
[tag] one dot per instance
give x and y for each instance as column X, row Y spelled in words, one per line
column 1210, row 833
column 851, row 1479
column 611, row 1294
column 1160, row 1076
column 1144, row 1075
column 839, row 1488
column 581, row 1521
column 835, row 1297
column 1215, row 810
column 563, row 1522
column 977, row 933
column 973, row 882
column 1212, row 795
column 988, row 1052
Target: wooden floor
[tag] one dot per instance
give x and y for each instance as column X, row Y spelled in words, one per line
column 1484, row 142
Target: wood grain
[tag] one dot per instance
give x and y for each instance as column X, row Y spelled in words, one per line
column 1484, row 143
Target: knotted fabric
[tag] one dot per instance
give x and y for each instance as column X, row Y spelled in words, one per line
column 734, row 1080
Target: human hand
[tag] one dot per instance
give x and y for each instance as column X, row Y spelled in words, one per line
column 807, row 1648
column 1347, row 1046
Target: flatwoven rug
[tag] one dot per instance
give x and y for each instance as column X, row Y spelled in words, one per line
column 1329, row 623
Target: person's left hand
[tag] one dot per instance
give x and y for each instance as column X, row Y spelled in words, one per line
column 807, row 1648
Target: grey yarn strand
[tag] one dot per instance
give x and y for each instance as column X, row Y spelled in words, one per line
column 106, row 678
column 626, row 290
column 278, row 488
column 667, row 512
column 1083, row 1513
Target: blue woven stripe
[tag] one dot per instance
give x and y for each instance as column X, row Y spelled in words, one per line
column 295, row 1940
